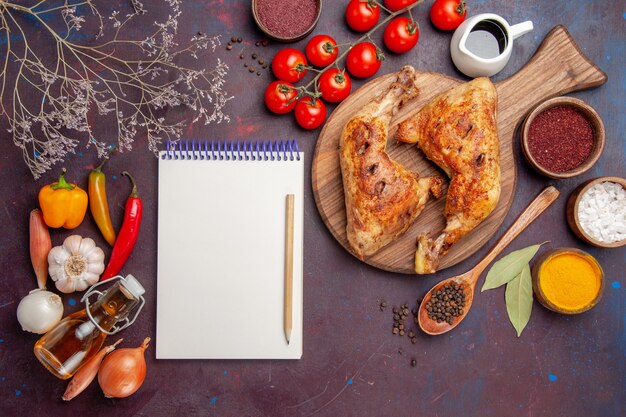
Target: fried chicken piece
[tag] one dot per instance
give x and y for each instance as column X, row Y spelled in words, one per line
column 458, row 132
column 382, row 197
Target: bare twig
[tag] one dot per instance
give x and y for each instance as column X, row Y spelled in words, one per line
column 133, row 92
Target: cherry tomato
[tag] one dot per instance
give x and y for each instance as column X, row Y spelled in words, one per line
column 395, row 5
column 401, row 35
column 321, row 50
column 310, row 112
column 362, row 15
column 448, row 14
column 289, row 64
column 280, row 97
column 364, row 60
column 335, row 85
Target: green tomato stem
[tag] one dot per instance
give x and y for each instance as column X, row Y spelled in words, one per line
column 408, row 8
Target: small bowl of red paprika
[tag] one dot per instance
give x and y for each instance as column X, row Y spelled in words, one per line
column 562, row 137
column 286, row 20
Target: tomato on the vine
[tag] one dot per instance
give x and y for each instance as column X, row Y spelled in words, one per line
column 310, row 112
column 289, row 64
column 280, row 97
column 362, row 15
column 395, row 5
column 401, row 35
column 321, row 50
column 364, row 60
column 448, row 14
column 335, row 85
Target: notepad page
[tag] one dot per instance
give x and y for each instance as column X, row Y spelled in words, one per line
column 221, row 256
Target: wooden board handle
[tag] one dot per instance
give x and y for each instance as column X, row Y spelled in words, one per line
column 558, row 67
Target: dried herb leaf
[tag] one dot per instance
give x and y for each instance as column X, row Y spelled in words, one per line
column 519, row 299
column 509, row 267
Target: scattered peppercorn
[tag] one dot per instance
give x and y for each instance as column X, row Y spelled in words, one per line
column 251, row 69
column 257, row 43
column 254, row 56
column 245, row 65
column 241, row 56
column 264, row 66
column 261, row 61
column 233, row 39
column 258, row 73
column 413, row 363
column 446, row 303
column 229, row 47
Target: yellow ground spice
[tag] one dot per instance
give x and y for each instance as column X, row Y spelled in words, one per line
column 570, row 281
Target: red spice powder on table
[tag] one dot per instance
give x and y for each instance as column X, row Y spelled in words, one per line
column 560, row 138
column 286, row 18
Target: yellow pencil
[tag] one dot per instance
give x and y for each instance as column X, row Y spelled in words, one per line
column 288, row 311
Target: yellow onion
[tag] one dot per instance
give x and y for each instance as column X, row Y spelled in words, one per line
column 123, row 371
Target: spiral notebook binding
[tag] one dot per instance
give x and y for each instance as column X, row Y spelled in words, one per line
column 278, row 150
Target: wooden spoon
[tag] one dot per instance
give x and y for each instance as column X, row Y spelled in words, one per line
column 470, row 278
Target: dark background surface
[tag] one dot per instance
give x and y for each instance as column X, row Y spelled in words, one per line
column 560, row 366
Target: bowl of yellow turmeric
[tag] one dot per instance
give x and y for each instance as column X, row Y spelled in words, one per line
column 567, row 280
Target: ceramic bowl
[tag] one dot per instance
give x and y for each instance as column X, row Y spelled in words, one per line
column 573, row 203
column 306, row 32
column 536, row 277
column 596, row 124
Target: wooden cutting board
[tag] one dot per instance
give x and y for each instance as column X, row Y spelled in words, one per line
column 558, row 67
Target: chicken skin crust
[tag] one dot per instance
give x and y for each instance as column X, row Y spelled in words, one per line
column 458, row 132
column 382, row 197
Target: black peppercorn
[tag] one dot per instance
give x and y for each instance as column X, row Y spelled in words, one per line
column 445, row 303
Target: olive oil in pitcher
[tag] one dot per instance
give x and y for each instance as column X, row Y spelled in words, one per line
column 80, row 335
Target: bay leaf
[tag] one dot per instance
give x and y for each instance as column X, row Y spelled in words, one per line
column 519, row 299
column 508, row 267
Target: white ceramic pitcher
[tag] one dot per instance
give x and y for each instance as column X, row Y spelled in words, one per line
column 472, row 65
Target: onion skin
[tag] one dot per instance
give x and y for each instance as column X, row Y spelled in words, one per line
column 39, row 311
column 123, row 371
column 40, row 245
column 87, row 373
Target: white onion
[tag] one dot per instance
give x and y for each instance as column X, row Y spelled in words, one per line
column 39, row 311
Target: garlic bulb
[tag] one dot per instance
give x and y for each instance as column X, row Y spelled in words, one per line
column 39, row 311
column 76, row 265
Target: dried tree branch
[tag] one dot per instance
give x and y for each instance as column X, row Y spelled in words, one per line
column 133, row 92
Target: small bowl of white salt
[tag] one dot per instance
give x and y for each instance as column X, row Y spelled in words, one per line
column 596, row 212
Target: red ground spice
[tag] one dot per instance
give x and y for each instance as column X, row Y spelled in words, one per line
column 286, row 18
column 560, row 138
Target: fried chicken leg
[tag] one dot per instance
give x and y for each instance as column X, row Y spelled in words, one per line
column 458, row 132
column 382, row 197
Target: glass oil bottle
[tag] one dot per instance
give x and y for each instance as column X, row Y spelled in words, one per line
column 79, row 336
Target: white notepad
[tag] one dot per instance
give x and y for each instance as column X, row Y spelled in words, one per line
column 221, row 250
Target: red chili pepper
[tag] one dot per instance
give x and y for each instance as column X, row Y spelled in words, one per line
column 127, row 236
